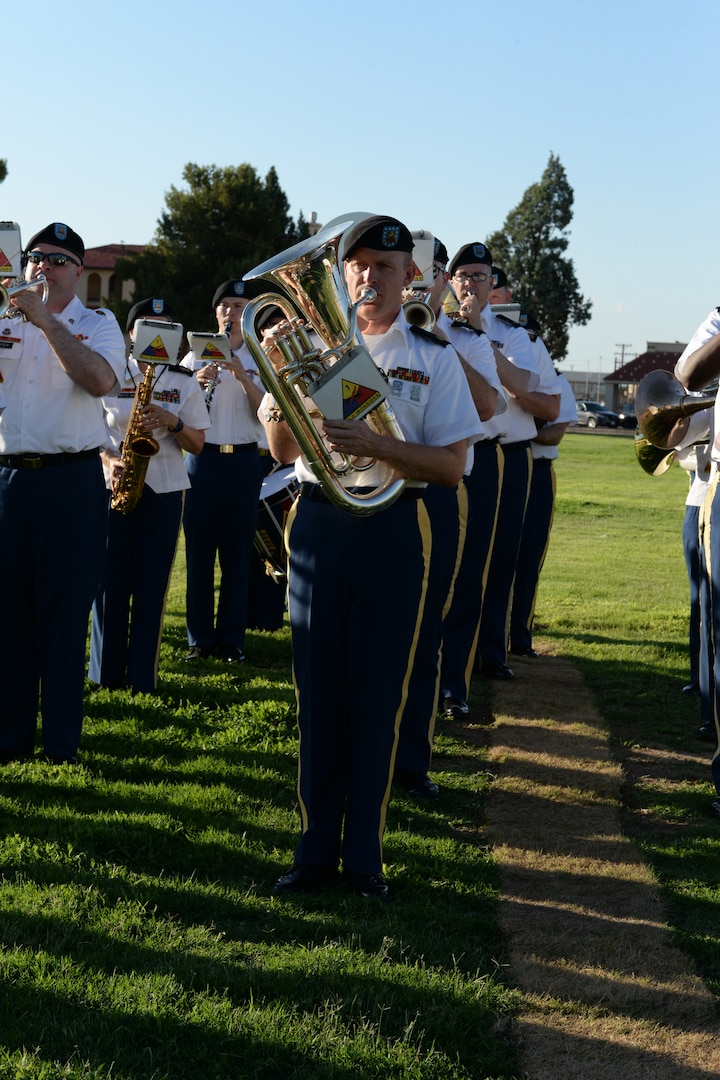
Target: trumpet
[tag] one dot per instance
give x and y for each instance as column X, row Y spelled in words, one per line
column 417, row 311
column 7, row 311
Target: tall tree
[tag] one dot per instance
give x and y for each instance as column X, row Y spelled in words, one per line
column 530, row 249
column 224, row 222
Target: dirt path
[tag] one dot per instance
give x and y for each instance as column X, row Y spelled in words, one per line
column 606, row 995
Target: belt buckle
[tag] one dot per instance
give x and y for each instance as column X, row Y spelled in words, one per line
column 227, row 448
column 32, row 462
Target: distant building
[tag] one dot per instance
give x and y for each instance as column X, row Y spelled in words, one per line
column 622, row 383
column 588, row 385
column 99, row 284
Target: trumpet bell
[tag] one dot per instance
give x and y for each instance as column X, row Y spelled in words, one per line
column 418, row 313
column 663, row 408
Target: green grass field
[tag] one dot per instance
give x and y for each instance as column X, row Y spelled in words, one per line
column 139, row 933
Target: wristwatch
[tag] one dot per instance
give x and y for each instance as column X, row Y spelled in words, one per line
column 177, row 429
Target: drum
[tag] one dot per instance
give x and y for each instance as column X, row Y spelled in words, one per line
column 277, row 495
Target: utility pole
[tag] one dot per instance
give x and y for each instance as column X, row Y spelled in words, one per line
column 622, row 346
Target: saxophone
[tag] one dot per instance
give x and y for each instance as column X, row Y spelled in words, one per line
column 137, row 449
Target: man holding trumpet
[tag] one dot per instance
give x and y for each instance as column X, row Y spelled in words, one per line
column 56, row 363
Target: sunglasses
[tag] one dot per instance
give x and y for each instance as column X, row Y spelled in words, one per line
column 55, row 258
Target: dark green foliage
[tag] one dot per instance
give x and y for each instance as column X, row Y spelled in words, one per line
column 531, row 250
column 220, row 225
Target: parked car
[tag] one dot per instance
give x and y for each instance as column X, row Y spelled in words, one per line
column 592, row 414
column 627, row 417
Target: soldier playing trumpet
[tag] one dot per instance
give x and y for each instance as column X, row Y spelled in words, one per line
column 54, row 368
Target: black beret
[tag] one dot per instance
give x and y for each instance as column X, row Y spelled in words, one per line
column 61, row 235
column 146, row 309
column 378, row 234
column 528, row 320
column 440, row 254
column 245, row 290
column 499, row 278
column 471, row 253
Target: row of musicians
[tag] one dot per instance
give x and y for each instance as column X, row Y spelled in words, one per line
column 510, row 403
column 213, row 489
column 490, row 533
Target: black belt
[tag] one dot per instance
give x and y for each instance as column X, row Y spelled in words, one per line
column 314, row 493
column 229, row 448
column 508, row 446
column 43, row 461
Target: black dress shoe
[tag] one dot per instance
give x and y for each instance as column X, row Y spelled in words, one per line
column 304, row 878
column 530, row 653
column 195, row 652
column 692, row 689
column 497, row 671
column 231, row 654
column 706, row 732
column 367, row 885
column 416, row 783
column 455, row 708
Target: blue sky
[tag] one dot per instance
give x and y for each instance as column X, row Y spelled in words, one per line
column 441, row 115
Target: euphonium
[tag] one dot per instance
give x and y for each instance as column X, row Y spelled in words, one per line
column 307, row 279
column 654, row 460
column 663, row 408
column 137, row 449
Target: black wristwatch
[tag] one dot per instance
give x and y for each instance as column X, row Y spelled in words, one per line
column 177, row 429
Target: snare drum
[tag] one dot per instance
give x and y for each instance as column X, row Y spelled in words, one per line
column 277, row 495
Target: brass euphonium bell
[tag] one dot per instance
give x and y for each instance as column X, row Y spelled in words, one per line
column 307, row 279
column 663, row 408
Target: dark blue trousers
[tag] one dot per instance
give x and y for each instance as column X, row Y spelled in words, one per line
column 52, row 545
column 691, row 548
column 503, row 558
column 357, row 589
column 130, row 606
column 448, row 510
column 533, row 549
column 219, row 520
column 462, row 621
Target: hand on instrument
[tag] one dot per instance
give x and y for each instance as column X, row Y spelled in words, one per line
column 209, row 373
column 470, row 310
column 352, row 437
column 154, row 417
column 30, row 303
column 113, row 463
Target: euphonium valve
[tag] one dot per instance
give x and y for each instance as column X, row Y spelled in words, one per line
column 310, row 291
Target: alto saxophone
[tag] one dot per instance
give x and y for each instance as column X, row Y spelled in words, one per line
column 137, row 449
